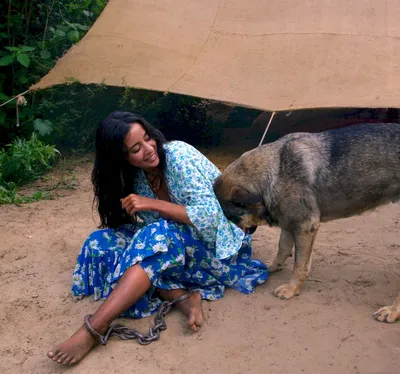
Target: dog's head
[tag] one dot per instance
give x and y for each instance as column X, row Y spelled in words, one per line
column 240, row 205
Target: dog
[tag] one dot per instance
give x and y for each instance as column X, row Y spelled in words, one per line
column 304, row 179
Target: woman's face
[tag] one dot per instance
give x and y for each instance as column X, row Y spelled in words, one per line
column 142, row 149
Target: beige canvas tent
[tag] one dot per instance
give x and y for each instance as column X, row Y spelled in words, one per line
column 267, row 54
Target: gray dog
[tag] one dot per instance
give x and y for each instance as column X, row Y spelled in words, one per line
column 304, row 179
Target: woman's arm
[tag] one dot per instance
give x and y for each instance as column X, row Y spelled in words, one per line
column 135, row 203
column 191, row 176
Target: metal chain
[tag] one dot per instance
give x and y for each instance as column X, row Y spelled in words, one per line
column 126, row 333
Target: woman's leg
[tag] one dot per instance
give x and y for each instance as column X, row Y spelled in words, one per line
column 132, row 285
column 191, row 307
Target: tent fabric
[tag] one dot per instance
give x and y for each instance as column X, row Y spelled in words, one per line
column 266, row 54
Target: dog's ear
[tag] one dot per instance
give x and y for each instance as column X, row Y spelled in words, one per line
column 243, row 196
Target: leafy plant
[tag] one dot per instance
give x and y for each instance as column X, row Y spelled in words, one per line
column 9, row 195
column 43, row 127
column 33, row 35
column 25, row 160
column 20, row 54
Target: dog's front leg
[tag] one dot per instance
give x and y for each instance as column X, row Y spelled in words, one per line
column 286, row 242
column 304, row 239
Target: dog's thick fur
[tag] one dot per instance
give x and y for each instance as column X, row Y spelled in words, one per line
column 304, row 179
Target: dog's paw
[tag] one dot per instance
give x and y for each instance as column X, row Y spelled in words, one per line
column 387, row 314
column 286, row 291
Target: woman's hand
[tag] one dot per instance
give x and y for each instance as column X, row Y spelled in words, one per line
column 135, row 203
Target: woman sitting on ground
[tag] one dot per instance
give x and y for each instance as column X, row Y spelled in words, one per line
column 162, row 233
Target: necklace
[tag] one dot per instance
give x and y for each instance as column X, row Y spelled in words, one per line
column 155, row 182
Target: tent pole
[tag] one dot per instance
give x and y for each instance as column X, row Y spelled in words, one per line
column 266, row 129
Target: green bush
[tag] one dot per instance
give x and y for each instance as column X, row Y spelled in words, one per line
column 25, row 160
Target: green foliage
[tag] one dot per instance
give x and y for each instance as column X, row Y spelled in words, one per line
column 33, row 35
column 20, row 54
column 9, row 195
column 43, row 127
column 72, row 113
column 25, row 160
column 242, row 117
column 178, row 116
column 185, row 118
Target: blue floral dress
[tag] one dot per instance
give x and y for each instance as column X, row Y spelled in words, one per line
column 206, row 257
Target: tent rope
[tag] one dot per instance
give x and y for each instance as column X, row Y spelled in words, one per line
column 15, row 97
column 20, row 101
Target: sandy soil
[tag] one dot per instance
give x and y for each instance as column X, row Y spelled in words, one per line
column 327, row 329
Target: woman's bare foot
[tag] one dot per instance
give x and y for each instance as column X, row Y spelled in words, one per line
column 191, row 307
column 132, row 285
column 74, row 348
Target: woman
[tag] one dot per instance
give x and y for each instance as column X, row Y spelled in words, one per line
column 163, row 232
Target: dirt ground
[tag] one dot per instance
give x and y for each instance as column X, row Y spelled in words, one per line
column 327, row 329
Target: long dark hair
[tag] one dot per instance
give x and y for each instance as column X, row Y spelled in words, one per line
column 112, row 175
